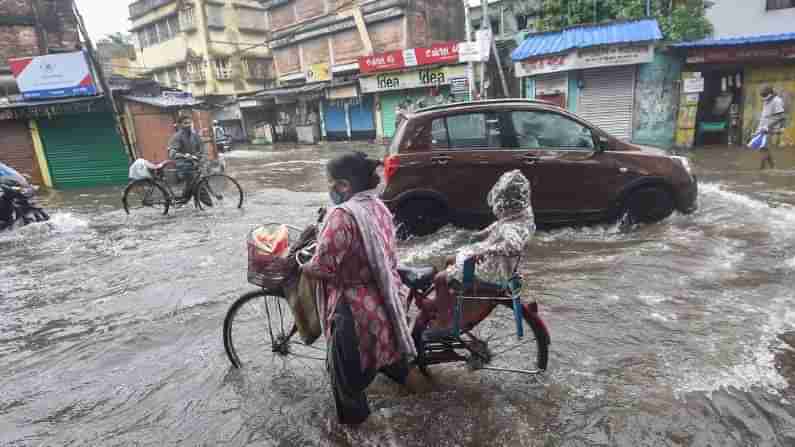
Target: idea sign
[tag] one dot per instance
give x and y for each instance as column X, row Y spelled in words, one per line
column 53, row 76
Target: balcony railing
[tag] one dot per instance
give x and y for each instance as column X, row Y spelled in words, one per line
column 141, row 7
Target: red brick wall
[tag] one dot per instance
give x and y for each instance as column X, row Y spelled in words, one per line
column 347, row 46
column 287, row 60
column 17, row 41
column 386, row 36
column 15, row 8
column 282, row 16
column 16, row 148
column 316, row 51
column 306, row 9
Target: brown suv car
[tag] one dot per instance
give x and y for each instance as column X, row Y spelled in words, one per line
column 444, row 160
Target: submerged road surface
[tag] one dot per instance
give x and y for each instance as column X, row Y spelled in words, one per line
column 677, row 334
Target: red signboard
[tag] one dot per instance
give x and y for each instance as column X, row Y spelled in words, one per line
column 442, row 53
column 734, row 54
column 392, row 60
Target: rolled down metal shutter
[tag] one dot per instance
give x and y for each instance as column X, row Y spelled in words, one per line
column 607, row 99
column 361, row 116
column 84, row 150
column 389, row 103
column 16, row 147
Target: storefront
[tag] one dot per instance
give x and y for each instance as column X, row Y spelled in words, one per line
column 348, row 115
column 414, row 78
column 415, row 89
column 589, row 70
column 289, row 113
column 229, row 117
column 720, row 102
column 18, row 149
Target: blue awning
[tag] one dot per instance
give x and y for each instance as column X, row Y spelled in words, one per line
column 738, row 40
column 587, row 36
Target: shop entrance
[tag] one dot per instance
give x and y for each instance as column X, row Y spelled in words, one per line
column 719, row 115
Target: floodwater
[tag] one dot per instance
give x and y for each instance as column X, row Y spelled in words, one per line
column 680, row 333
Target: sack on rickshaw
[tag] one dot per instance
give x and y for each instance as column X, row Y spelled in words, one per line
column 301, row 298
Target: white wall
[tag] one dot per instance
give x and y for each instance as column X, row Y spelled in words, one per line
column 749, row 17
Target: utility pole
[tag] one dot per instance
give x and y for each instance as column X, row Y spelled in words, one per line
column 470, row 64
column 485, row 24
column 122, row 129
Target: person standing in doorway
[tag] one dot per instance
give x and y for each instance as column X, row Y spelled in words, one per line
column 771, row 123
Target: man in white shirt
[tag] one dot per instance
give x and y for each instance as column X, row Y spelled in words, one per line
column 771, row 122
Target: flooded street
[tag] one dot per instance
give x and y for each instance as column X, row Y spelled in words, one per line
column 680, row 333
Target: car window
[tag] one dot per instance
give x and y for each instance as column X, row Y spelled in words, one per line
column 468, row 130
column 546, row 129
column 439, row 133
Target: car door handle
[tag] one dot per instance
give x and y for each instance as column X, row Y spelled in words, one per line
column 441, row 160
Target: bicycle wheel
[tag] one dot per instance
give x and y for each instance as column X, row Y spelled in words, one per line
column 259, row 332
column 218, row 191
column 146, row 193
column 497, row 346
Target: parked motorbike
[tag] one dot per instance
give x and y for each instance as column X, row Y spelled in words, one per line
column 224, row 145
column 17, row 200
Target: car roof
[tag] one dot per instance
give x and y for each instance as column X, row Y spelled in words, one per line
column 479, row 105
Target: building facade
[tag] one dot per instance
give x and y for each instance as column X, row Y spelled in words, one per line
column 210, row 48
column 58, row 141
column 317, row 49
column 753, row 47
column 731, row 18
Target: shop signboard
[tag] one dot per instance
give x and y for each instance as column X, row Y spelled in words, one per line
column 598, row 57
column 53, row 76
column 429, row 77
column 443, row 53
column 469, row 52
column 738, row 54
column 546, row 64
column 249, row 103
column 693, row 85
column 318, row 73
column 614, row 55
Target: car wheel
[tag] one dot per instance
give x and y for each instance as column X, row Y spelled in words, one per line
column 646, row 205
column 420, row 217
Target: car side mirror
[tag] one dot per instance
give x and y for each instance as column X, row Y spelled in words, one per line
column 602, row 143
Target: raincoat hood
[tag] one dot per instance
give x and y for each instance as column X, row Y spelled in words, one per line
column 510, row 195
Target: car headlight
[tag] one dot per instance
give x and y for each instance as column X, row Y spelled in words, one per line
column 685, row 164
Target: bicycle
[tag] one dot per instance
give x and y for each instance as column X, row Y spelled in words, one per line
column 211, row 190
column 487, row 327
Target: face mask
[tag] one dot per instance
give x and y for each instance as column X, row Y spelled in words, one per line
column 336, row 197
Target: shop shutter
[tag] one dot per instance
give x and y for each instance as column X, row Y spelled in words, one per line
column 84, row 150
column 362, row 115
column 334, row 119
column 607, row 98
column 389, row 103
column 16, row 147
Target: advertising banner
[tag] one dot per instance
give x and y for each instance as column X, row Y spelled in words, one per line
column 442, row 53
column 53, row 76
column 429, row 77
column 738, row 54
column 318, row 73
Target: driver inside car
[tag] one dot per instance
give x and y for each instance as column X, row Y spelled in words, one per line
column 496, row 250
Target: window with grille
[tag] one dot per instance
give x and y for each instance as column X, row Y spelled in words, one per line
column 196, row 71
column 182, row 75
column 780, row 4
column 257, row 69
column 187, row 19
column 223, row 68
column 160, row 31
column 215, row 16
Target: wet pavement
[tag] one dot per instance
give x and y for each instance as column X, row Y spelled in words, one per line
column 680, row 333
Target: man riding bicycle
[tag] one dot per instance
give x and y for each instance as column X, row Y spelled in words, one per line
column 183, row 143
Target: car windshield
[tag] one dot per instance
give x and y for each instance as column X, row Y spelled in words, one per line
column 9, row 172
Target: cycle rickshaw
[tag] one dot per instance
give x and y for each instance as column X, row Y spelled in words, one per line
column 493, row 329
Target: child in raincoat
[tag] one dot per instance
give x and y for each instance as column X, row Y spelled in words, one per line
column 496, row 250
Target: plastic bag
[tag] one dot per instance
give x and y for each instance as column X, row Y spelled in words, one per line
column 276, row 243
column 758, row 141
column 140, row 169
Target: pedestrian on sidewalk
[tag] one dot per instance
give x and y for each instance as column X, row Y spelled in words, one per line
column 771, row 122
